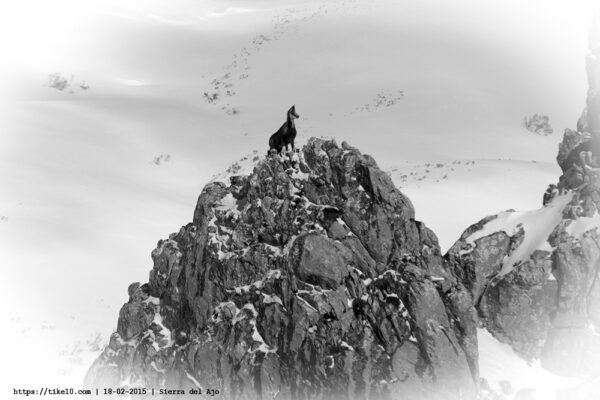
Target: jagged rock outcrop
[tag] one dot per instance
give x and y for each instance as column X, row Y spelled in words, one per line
column 538, row 124
column 534, row 276
column 308, row 278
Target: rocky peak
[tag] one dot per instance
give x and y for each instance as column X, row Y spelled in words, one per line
column 590, row 119
column 534, row 276
column 306, row 278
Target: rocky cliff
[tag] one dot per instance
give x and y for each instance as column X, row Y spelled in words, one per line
column 534, row 276
column 307, row 278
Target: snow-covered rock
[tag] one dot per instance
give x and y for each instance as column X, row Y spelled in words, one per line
column 310, row 282
column 534, row 276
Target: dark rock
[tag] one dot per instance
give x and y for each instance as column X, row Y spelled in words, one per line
column 319, row 260
column 135, row 317
column 310, row 283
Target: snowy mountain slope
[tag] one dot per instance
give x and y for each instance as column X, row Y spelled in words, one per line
column 507, row 373
column 442, row 188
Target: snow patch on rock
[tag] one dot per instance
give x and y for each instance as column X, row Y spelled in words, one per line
column 537, row 226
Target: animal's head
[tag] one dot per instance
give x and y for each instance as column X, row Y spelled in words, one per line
column 292, row 112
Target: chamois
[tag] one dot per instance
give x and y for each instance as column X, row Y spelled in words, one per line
column 286, row 134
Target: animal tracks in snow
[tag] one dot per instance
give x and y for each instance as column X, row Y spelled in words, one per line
column 285, row 23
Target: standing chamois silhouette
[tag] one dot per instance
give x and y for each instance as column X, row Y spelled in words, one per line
column 286, row 134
